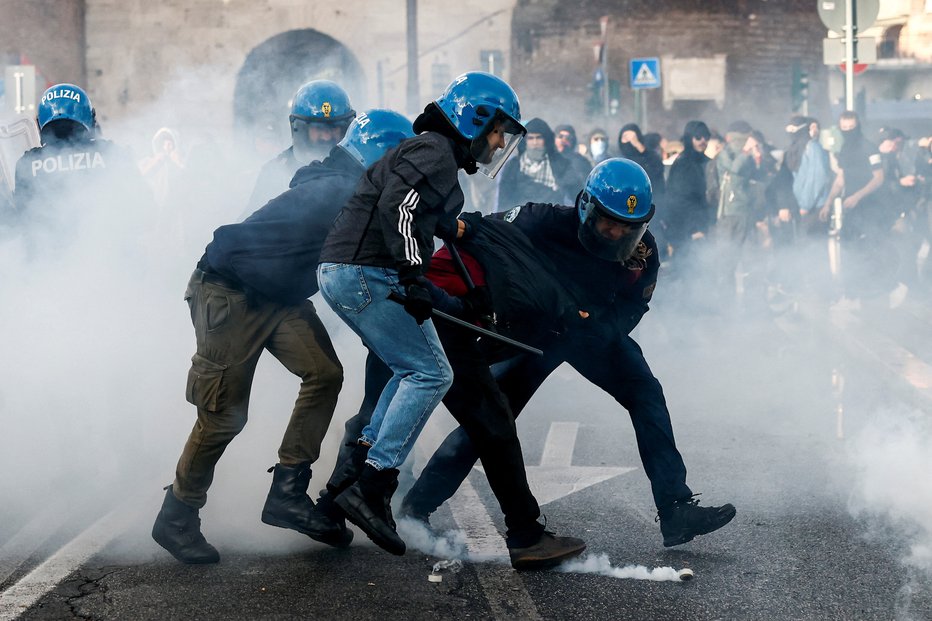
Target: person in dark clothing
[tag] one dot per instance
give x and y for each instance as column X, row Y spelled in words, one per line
column 631, row 146
column 502, row 262
column 381, row 244
column 566, row 143
column 320, row 114
column 865, row 219
column 688, row 215
column 73, row 163
column 608, row 263
column 250, row 293
column 540, row 174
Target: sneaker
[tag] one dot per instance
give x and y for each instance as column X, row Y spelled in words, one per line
column 549, row 551
column 685, row 519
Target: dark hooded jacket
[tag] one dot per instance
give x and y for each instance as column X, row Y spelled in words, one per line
column 411, row 195
column 649, row 160
column 275, row 251
column 582, row 164
column 687, row 209
column 516, row 188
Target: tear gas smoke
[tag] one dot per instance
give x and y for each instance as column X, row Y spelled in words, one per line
column 97, row 339
column 601, row 565
column 890, row 457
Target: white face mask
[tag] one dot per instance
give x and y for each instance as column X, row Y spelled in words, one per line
column 597, row 147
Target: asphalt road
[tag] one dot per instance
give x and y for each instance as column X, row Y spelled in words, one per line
column 804, row 421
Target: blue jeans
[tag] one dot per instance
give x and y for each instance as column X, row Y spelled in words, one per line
column 421, row 373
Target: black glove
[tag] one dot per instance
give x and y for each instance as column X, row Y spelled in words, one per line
column 417, row 301
column 472, row 221
column 478, row 305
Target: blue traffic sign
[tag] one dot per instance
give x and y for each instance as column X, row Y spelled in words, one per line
column 645, row 72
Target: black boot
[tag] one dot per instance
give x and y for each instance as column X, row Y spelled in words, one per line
column 367, row 504
column 684, row 519
column 328, row 508
column 347, row 472
column 289, row 506
column 178, row 529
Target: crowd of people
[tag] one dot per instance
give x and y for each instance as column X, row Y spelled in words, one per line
column 558, row 265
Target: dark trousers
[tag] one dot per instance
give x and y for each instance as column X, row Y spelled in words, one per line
column 479, row 406
column 618, row 368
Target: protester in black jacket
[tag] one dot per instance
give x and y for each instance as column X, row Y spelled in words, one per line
column 249, row 294
column 631, row 145
column 540, row 174
column 688, row 216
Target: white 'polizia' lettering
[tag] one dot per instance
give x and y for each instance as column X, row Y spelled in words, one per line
column 65, row 93
column 66, row 162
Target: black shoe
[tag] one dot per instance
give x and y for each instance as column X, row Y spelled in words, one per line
column 178, row 529
column 367, row 504
column 328, row 508
column 549, row 551
column 685, row 519
column 289, row 506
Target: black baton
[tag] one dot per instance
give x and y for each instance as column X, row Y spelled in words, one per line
column 396, row 297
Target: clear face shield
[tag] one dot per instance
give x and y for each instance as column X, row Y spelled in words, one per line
column 493, row 146
column 313, row 140
column 609, row 238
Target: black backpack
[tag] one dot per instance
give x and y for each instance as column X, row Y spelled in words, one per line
column 530, row 303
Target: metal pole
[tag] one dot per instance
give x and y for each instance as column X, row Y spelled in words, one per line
column 414, row 95
column 380, row 83
column 850, row 29
column 436, row 314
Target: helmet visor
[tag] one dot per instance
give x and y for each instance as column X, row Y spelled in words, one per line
column 609, row 238
column 496, row 143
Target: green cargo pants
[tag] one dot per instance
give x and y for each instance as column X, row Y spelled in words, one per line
column 231, row 335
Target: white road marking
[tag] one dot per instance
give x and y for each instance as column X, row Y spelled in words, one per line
column 25, row 542
column 559, row 446
column 27, row 591
column 556, row 477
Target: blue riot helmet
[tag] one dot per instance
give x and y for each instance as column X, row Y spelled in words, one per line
column 68, row 109
column 320, row 114
column 614, row 209
column 484, row 110
column 373, row 133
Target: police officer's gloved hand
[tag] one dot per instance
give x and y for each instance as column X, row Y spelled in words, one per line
column 478, row 305
column 471, row 221
column 417, row 299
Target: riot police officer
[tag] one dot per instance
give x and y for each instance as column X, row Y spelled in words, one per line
column 320, row 113
column 73, row 166
column 608, row 261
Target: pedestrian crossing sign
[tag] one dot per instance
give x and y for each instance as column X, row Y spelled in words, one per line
column 645, row 72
